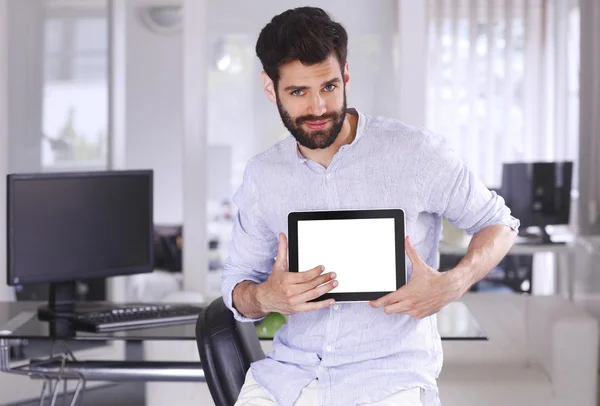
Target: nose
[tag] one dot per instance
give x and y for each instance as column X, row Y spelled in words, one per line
column 316, row 106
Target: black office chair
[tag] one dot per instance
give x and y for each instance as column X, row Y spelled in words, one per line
column 227, row 348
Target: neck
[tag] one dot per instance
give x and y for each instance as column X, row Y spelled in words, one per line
column 346, row 136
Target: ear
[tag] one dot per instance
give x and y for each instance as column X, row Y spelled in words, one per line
column 268, row 87
column 346, row 76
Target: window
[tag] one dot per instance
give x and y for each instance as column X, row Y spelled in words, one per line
column 503, row 81
column 75, row 93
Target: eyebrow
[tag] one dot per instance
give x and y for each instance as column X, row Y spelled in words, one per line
column 324, row 84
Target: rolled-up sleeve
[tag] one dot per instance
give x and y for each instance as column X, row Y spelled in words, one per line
column 253, row 245
column 452, row 191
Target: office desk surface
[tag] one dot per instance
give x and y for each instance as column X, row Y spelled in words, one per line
column 18, row 320
column 516, row 249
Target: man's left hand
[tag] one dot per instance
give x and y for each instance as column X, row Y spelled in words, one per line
column 425, row 294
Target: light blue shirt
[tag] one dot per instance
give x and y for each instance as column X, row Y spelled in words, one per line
column 357, row 353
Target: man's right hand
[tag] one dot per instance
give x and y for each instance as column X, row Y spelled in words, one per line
column 289, row 292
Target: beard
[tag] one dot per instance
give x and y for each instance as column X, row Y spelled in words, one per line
column 318, row 139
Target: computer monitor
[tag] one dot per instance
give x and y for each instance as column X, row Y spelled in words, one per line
column 538, row 193
column 65, row 227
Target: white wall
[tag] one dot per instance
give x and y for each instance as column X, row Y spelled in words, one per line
column 412, row 72
column 194, row 71
column 25, row 70
column 20, row 100
column 154, row 110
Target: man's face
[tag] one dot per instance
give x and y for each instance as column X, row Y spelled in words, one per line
column 312, row 101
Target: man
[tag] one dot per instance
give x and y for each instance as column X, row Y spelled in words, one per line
column 388, row 351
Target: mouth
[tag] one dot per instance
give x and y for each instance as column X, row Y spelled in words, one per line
column 317, row 125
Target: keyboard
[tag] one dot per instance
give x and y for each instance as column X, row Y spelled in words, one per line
column 135, row 317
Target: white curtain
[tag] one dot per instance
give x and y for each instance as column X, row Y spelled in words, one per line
column 503, row 80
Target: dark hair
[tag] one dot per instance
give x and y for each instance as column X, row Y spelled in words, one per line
column 307, row 34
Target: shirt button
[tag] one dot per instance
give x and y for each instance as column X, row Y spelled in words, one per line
column 336, row 307
column 329, row 348
column 328, row 176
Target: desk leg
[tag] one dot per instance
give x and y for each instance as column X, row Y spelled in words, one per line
column 4, row 354
column 571, row 272
column 58, row 375
column 58, row 369
column 53, row 391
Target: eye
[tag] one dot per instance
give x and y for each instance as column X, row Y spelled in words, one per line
column 297, row 92
column 329, row 88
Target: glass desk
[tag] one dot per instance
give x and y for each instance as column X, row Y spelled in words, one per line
column 565, row 254
column 19, row 321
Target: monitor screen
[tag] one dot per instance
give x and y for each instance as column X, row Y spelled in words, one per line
column 73, row 226
column 538, row 193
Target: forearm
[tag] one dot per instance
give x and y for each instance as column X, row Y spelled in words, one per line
column 485, row 251
column 246, row 300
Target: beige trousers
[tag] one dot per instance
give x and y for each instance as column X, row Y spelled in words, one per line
column 252, row 394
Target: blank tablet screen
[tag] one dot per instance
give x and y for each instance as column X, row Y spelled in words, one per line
column 362, row 252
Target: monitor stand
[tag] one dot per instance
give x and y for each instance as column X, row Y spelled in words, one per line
column 62, row 305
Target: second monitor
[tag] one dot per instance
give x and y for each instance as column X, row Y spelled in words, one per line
column 538, row 194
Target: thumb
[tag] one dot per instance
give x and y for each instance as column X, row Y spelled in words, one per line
column 412, row 254
column 281, row 260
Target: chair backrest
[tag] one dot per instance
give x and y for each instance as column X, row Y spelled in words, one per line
column 227, row 348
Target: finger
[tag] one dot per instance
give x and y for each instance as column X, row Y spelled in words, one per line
column 384, row 300
column 315, row 282
column 412, row 253
column 391, row 298
column 297, row 286
column 307, row 307
column 311, row 273
column 306, row 276
column 315, row 293
column 281, row 260
column 403, row 306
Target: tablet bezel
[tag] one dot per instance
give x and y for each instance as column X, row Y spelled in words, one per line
column 399, row 231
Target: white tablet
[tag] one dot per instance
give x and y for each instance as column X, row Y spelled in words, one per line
column 365, row 248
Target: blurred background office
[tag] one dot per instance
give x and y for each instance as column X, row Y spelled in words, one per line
column 174, row 86
column 99, row 84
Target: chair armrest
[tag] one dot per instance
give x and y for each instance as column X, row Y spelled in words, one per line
column 563, row 339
